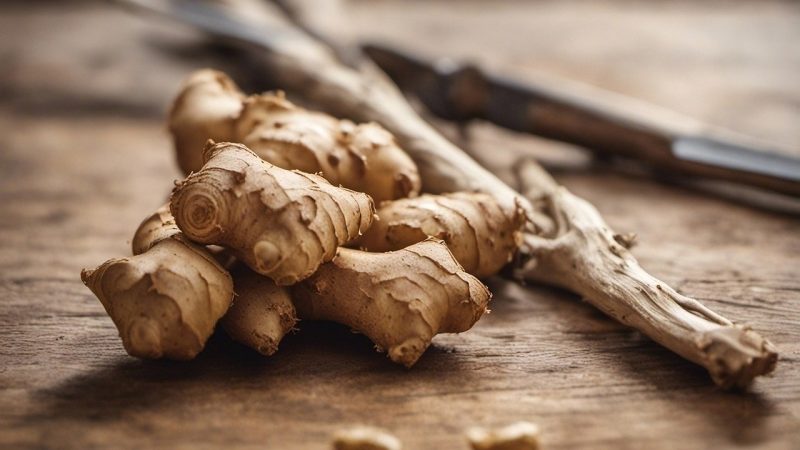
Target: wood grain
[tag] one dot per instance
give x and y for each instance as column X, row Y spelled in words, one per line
column 85, row 157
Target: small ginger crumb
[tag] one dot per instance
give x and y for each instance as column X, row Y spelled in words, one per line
column 365, row 438
column 517, row 436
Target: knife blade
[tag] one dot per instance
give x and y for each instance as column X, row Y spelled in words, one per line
column 602, row 122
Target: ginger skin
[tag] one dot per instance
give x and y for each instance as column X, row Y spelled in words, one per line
column 262, row 313
column 365, row 438
column 283, row 224
column 154, row 229
column 166, row 299
column 206, row 108
column 400, row 300
column 517, row 436
column 482, row 237
column 361, row 157
column 570, row 231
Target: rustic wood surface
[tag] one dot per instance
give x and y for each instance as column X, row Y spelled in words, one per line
column 84, row 157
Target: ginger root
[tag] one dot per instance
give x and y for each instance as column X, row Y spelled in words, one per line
column 517, row 436
column 206, row 108
column 581, row 253
column 281, row 223
column 365, row 438
column 733, row 355
column 154, row 229
column 400, row 299
column 166, row 299
column 482, row 237
column 361, row 157
column 261, row 314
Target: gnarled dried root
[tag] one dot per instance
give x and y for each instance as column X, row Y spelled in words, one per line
column 206, row 108
column 361, row 157
column 166, row 300
column 261, row 314
column 400, row 300
column 282, row 224
column 583, row 255
column 481, row 236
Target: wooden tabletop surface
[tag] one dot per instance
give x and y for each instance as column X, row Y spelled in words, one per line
column 84, row 156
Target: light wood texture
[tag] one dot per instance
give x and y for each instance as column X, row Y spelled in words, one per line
column 84, row 157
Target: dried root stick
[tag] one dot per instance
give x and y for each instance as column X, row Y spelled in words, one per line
column 481, row 236
column 282, row 224
column 167, row 298
column 583, row 255
column 400, row 300
column 262, row 312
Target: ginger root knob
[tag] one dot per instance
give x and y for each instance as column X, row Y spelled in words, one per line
column 362, row 157
column 283, row 224
column 206, row 108
column 481, row 235
column 166, row 300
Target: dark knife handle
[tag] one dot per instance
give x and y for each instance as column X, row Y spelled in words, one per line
column 592, row 120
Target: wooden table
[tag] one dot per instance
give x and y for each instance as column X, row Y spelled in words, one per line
column 84, row 157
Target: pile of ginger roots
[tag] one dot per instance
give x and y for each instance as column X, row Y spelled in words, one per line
column 289, row 214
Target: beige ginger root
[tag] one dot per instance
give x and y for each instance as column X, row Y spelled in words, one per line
column 206, row 108
column 365, row 438
column 167, row 298
column 362, row 157
column 517, row 436
column 261, row 314
column 281, row 223
column 569, row 231
column 399, row 300
column 482, row 237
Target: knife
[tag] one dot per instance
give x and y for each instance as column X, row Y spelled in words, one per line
column 597, row 120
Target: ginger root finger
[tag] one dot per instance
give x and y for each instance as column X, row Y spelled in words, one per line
column 154, row 229
column 206, row 108
column 361, row 157
column 166, row 300
column 365, row 438
column 582, row 254
column 400, row 300
column 283, row 224
column 261, row 314
column 482, row 237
